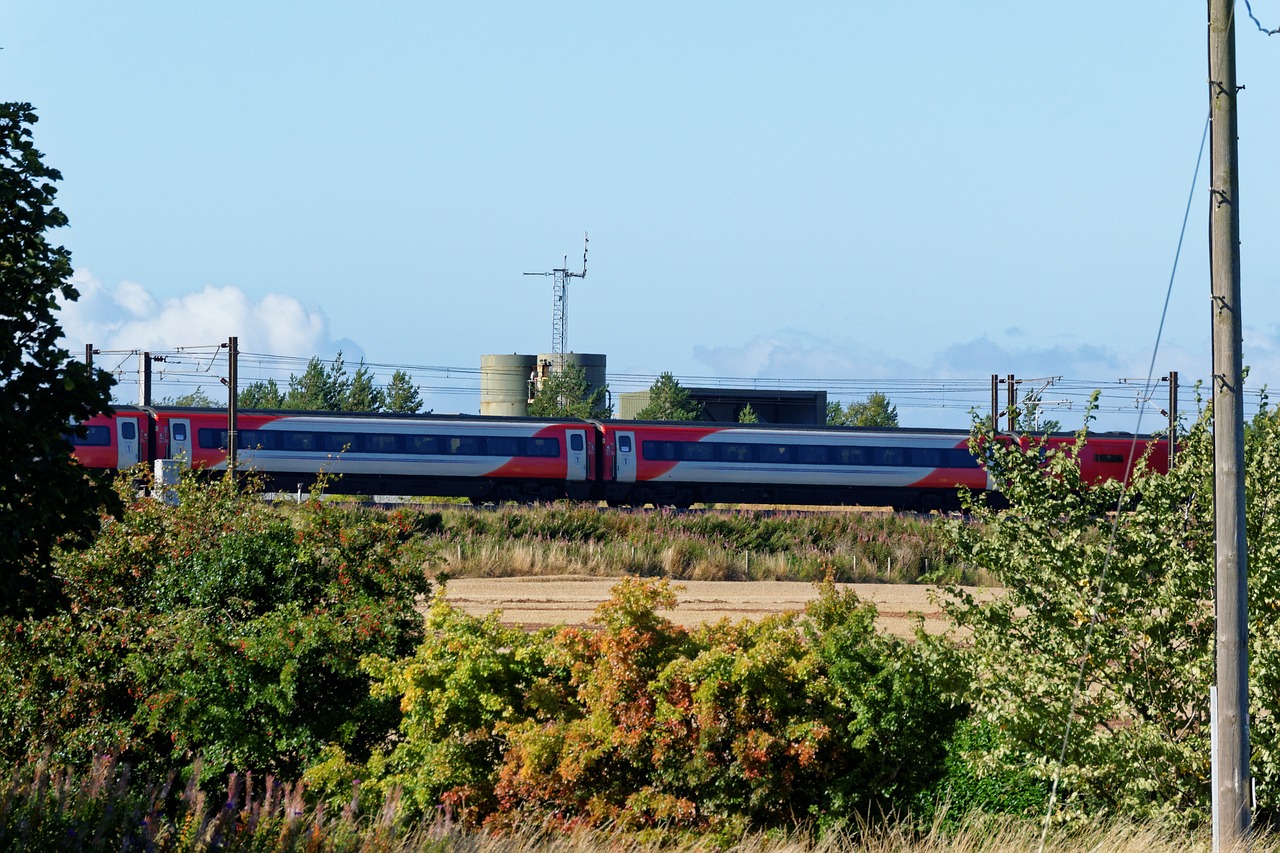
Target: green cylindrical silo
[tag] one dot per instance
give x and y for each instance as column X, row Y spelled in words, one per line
column 504, row 384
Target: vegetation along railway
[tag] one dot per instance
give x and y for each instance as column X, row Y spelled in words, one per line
column 620, row 462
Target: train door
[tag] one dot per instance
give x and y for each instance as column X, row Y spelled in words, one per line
column 180, row 440
column 128, row 442
column 577, row 439
column 624, row 460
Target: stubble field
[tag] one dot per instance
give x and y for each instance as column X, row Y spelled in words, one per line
column 542, row 601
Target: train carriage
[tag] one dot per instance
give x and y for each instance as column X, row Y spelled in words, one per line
column 621, row 462
column 477, row 458
column 729, row 463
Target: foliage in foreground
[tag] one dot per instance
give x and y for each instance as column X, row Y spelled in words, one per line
column 1107, row 626
column 639, row 723
column 221, row 627
column 106, row 808
column 46, row 498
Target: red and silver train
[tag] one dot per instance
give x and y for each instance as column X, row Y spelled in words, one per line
column 620, row 462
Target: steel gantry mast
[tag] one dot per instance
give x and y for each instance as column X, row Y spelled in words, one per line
column 560, row 304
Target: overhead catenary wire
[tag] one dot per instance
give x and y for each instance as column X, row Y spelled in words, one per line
column 1100, row 585
column 187, row 367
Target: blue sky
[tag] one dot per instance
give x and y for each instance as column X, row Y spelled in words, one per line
column 901, row 196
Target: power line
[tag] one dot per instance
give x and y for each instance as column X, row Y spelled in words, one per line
column 183, row 369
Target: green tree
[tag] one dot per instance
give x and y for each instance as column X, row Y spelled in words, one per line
column 748, row 415
column 261, row 395
column 1030, row 421
column 194, row 399
column 319, row 388
column 402, row 395
column 361, row 394
column 875, row 411
column 566, row 394
column 45, row 497
column 668, row 401
column 1106, row 623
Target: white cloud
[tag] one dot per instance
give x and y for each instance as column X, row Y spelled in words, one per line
column 793, row 354
column 129, row 317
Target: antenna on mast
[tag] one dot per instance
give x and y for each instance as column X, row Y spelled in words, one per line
column 560, row 303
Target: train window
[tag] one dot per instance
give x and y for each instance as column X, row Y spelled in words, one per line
column 888, row 456
column 850, row 455
column 694, row 451
column 212, row 438
column 624, row 443
column 774, row 453
column 298, row 442
column 576, row 442
column 338, row 442
column 1108, row 457
column 379, row 443
column 960, row 458
column 424, row 444
column 463, row 445
column 926, row 457
column 501, row 445
column 128, row 430
column 260, row 439
column 735, row 452
column 548, row 447
column 179, row 432
column 96, row 435
column 809, row 454
column 661, row 451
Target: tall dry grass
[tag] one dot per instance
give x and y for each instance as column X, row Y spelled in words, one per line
column 727, row 545
column 105, row 808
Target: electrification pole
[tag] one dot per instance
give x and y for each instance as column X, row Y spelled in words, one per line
column 233, row 382
column 144, row 379
column 1231, row 809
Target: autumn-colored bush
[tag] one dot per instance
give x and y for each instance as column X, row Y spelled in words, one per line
column 637, row 722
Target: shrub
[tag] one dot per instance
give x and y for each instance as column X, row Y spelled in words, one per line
column 1101, row 652
column 636, row 722
column 222, row 627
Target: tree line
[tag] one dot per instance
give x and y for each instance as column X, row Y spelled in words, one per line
column 322, row 388
column 568, row 394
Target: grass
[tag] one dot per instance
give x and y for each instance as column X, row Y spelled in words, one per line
column 851, row 547
column 105, row 808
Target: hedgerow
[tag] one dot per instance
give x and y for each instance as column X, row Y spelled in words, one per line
column 637, row 722
column 222, row 627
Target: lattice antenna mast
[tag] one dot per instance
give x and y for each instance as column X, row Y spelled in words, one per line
column 560, row 303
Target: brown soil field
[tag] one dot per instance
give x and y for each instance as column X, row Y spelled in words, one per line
column 572, row 599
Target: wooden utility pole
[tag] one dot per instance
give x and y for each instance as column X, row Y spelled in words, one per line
column 1231, row 808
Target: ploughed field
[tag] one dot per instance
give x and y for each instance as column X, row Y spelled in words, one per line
column 542, row 601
